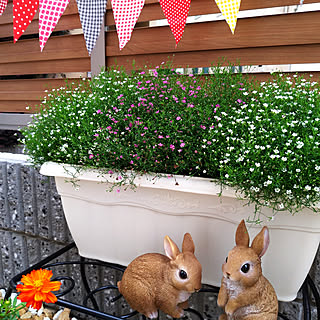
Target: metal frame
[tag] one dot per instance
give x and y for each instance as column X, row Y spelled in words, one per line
column 307, row 288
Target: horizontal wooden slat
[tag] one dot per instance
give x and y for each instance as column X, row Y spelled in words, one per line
column 153, row 11
column 21, row 95
column 16, row 95
column 50, row 66
column 245, row 56
column 290, row 29
column 18, row 106
column 39, row 85
column 61, row 47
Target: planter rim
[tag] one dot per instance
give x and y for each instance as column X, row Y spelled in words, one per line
column 179, row 183
column 196, row 185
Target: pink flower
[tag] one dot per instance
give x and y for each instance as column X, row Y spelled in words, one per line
column 182, row 144
column 90, row 156
column 99, row 111
column 178, row 118
column 172, row 147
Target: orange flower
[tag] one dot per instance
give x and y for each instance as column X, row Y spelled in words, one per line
column 37, row 287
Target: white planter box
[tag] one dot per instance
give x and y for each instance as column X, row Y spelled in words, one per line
column 117, row 227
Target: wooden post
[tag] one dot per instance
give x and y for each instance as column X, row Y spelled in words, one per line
column 98, row 54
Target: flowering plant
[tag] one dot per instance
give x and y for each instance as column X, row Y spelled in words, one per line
column 37, row 287
column 263, row 140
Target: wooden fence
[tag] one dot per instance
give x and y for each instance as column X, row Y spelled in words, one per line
column 263, row 39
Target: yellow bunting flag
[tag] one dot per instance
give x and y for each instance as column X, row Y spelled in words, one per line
column 230, row 10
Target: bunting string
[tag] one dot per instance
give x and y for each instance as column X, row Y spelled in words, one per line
column 91, row 12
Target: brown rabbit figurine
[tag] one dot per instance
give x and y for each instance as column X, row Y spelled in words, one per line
column 154, row 281
column 245, row 294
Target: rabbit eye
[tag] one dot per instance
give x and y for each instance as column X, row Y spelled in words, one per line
column 226, row 259
column 183, row 275
column 245, row 268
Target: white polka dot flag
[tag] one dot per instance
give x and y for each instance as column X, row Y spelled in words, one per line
column 91, row 15
column 176, row 12
column 3, row 5
column 230, row 10
column 126, row 14
column 50, row 12
column 23, row 13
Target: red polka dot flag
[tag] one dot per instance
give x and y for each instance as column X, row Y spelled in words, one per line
column 126, row 14
column 50, row 12
column 3, row 5
column 23, row 13
column 176, row 12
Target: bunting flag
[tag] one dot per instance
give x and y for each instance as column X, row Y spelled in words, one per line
column 50, row 12
column 230, row 10
column 23, row 13
column 91, row 16
column 126, row 14
column 176, row 12
column 3, row 5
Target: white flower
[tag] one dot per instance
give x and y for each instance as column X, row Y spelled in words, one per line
column 300, row 144
column 276, row 190
column 251, row 169
column 308, row 188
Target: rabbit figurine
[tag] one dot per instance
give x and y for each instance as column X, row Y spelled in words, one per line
column 245, row 294
column 154, row 281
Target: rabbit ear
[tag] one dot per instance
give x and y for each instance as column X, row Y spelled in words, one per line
column 261, row 242
column 170, row 248
column 242, row 235
column 187, row 244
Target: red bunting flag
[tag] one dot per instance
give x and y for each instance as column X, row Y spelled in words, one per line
column 50, row 11
column 126, row 14
column 176, row 12
column 23, row 13
column 3, row 5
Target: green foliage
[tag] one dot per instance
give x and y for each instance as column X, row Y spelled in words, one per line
column 263, row 140
column 9, row 309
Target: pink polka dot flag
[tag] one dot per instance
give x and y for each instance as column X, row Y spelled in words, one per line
column 126, row 14
column 50, row 12
column 230, row 10
column 176, row 12
column 23, row 13
column 3, row 5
